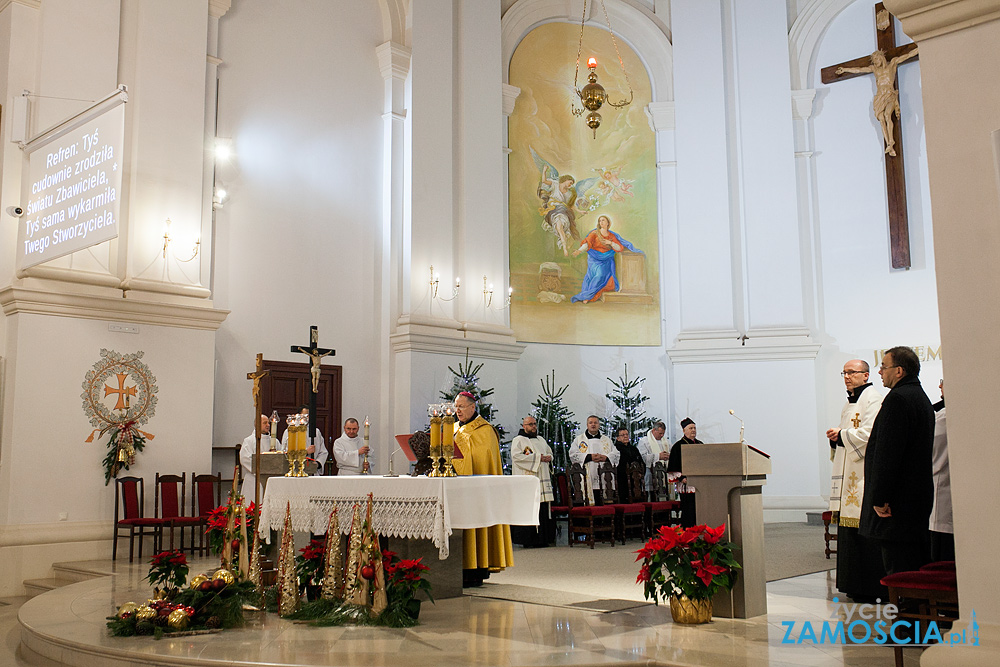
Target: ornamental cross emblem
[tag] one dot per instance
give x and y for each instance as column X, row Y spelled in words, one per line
column 852, row 491
column 857, row 419
column 123, row 392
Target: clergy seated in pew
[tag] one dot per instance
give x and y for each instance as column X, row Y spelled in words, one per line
column 655, row 448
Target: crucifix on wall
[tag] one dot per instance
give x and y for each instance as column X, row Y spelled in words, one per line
column 883, row 64
column 315, row 354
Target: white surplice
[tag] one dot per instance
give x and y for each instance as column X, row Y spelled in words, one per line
column 526, row 455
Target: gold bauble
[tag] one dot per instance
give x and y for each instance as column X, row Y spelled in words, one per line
column 225, row 575
column 197, row 580
column 127, row 608
column 178, row 619
column 145, row 613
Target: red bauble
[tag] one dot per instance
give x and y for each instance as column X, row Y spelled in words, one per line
column 205, row 586
column 218, row 584
column 368, row 572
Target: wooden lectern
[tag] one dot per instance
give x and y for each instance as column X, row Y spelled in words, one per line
column 728, row 478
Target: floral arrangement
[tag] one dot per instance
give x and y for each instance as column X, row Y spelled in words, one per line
column 309, row 564
column 404, row 578
column 217, row 522
column 168, row 569
column 694, row 562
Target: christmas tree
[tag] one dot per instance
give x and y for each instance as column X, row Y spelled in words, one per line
column 555, row 421
column 466, row 378
column 628, row 412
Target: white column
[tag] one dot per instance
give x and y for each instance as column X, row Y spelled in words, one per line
column 959, row 63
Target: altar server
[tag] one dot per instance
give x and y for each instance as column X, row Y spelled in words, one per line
column 349, row 449
column 589, row 449
column 247, row 453
column 531, row 455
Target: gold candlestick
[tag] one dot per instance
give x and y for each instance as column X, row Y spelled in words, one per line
column 435, row 445
column 448, row 445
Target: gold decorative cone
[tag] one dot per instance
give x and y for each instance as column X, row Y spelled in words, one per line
column 288, row 582
column 685, row 610
column 352, row 586
column 333, row 571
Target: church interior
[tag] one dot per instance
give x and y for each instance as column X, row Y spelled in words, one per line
column 411, row 152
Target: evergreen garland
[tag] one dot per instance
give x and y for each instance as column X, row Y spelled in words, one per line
column 555, row 422
column 112, row 464
column 466, row 378
column 628, row 412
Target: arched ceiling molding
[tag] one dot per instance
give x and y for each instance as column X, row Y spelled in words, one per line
column 394, row 20
column 805, row 35
column 642, row 30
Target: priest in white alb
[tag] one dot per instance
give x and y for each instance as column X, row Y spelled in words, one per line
column 653, row 448
column 349, row 450
column 859, row 561
column 531, row 455
column 247, row 452
column 589, row 449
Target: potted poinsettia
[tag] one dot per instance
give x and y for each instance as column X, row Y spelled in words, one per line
column 309, row 565
column 217, row 521
column 687, row 566
column 168, row 569
column 405, row 579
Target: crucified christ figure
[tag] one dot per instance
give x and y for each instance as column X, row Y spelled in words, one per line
column 316, row 356
column 886, row 102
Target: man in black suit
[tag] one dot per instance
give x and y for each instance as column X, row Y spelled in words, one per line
column 899, row 487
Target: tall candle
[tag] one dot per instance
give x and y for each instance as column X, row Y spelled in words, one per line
column 366, row 429
column 435, row 436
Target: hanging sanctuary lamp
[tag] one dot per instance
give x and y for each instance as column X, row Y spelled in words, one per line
column 593, row 95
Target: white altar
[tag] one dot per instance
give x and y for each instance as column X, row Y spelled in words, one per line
column 405, row 507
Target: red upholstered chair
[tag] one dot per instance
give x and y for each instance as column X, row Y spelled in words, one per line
column 206, row 495
column 169, row 508
column 587, row 520
column 924, row 595
column 659, row 511
column 130, row 498
column 560, row 506
column 827, row 535
column 629, row 515
column 939, row 566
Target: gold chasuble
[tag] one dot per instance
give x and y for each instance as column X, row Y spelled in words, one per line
column 484, row 547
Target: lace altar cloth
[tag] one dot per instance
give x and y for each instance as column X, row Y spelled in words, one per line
column 406, row 507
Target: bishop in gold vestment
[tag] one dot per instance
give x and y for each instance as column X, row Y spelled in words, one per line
column 485, row 548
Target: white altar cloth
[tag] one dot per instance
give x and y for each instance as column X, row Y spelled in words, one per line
column 406, row 507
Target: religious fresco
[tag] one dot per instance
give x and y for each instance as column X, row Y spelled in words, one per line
column 583, row 228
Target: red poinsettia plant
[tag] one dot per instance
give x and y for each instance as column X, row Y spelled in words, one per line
column 405, row 578
column 168, row 569
column 218, row 519
column 696, row 562
column 309, row 564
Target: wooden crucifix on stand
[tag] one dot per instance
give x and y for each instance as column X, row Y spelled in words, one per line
column 315, row 354
column 257, row 410
column 883, row 64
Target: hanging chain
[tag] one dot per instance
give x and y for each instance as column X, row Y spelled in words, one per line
column 620, row 61
column 579, row 51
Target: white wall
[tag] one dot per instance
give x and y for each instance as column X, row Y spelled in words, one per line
column 300, row 95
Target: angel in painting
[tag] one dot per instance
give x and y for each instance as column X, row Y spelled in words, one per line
column 612, row 185
column 562, row 200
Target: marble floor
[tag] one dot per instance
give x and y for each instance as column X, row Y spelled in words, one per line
column 66, row 626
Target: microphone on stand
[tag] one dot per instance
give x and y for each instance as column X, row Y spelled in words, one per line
column 391, row 472
column 742, row 425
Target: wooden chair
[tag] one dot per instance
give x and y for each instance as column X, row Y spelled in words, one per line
column 206, row 495
column 561, row 505
column 827, row 535
column 130, row 498
column 924, row 595
column 169, row 508
column 660, row 510
column 630, row 515
column 584, row 519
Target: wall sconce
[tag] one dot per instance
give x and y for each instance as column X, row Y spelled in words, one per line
column 488, row 295
column 166, row 244
column 219, row 198
column 435, row 282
